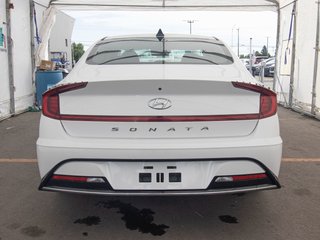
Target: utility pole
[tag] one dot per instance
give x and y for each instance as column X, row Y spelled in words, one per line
column 238, row 29
column 190, row 23
column 267, row 44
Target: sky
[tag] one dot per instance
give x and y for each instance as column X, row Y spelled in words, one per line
column 91, row 26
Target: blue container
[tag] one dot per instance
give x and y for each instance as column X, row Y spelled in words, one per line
column 44, row 81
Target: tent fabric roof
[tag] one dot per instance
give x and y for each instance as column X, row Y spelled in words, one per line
column 143, row 5
column 175, row 5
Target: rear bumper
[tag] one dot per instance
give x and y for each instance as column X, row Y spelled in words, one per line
column 271, row 182
column 259, row 152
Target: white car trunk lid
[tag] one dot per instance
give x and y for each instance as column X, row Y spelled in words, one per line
column 160, row 109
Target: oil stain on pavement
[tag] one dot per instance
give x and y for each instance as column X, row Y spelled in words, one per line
column 228, row 219
column 136, row 219
column 33, row 231
column 89, row 221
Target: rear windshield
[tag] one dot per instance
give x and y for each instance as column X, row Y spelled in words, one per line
column 153, row 51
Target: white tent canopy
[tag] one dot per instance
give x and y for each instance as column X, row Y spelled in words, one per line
column 295, row 81
column 175, row 5
column 143, row 5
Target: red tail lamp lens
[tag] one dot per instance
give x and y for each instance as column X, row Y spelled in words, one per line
column 50, row 99
column 249, row 177
column 239, row 178
column 79, row 179
column 69, row 178
column 268, row 98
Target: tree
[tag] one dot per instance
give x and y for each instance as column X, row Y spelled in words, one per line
column 78, row 51
column 257, row 53
column 264, row 51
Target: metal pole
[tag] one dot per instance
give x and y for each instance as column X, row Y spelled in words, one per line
column 250, row 54
column 238, row 29
column 316, row 60
column 263, row 64
column 190, row 27
column 293, row 59
column 267, row 44
column 232, row 38
column 33, row 61
column 233, row 27
column 276, row 53
column 10, row 57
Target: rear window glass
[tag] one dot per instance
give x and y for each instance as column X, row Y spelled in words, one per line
column 153, row 51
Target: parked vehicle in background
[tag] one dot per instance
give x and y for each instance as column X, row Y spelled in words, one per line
column 269, row 70
column 259, row 59
column 159, row 115
column 256, row 63
column 267, row 65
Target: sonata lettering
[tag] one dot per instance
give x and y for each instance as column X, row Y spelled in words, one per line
column 154, row 129
column 171, row 130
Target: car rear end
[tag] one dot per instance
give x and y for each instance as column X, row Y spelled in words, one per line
column 157, row 129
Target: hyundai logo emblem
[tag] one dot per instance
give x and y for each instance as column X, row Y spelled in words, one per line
column 159, row 103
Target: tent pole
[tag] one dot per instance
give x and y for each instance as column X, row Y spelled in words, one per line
column 277, row 51
column 316, row 60
column 293, row 59
column 10, row 57
column 33, row 65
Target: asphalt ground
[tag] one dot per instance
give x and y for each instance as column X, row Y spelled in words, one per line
column 290, row 213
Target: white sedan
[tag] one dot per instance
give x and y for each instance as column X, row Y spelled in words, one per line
column 156, row 115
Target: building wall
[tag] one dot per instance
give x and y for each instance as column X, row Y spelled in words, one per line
column 61, row 33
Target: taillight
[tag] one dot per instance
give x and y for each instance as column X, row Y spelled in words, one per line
column 78, row 182
column 237, row 178
column 239, row 181
column 268, row 98
column 50, row 99
column 77, row 179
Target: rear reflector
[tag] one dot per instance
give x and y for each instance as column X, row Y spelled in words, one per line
column 268, row 98
column 79, row 179
column 237, row 178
